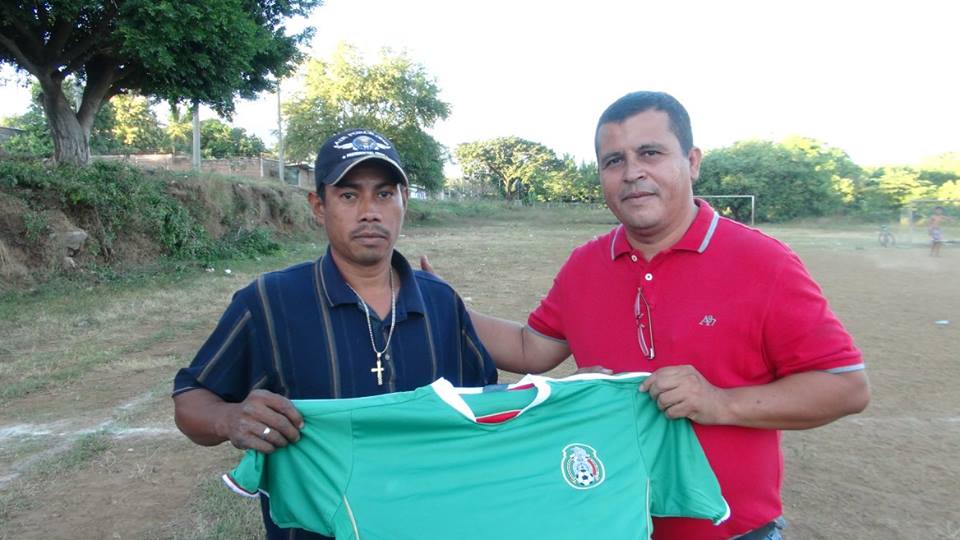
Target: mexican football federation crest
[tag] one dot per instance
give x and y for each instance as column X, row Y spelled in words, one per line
column 580, row 466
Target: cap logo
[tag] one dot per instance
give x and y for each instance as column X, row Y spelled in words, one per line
column 363, row 143
column 340, row 153
column 581, row 467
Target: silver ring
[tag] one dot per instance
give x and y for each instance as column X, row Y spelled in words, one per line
column 266, row 431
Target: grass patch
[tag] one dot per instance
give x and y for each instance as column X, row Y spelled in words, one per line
column 69, row 331
column 165, row 334
column 87, row 448
column 42, row 371
column 21, row 494
column 87, row 293
column 219, row 514
column 451, row 213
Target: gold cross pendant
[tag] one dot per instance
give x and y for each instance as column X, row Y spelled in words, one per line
column 378, row 370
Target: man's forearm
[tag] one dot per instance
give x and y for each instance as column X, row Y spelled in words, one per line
column 800, row 401
column 514, row 348
column 201, row 416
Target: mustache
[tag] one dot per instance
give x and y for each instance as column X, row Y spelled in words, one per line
column 629, row 192
column 368, row 230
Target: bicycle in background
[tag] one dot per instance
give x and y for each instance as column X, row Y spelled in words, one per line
column 885, row 237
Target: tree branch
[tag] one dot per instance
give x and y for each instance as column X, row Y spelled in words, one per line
column 82, row 48
column 42, row 14
column 22, row 58
column 26, row 35
column 503, row 177
column 62, row 30
column 100, row 79
column 80, row 53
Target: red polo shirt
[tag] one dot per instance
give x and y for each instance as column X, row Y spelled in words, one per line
column 736, row 304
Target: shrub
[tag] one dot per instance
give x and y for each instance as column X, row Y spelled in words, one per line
column 113, row 199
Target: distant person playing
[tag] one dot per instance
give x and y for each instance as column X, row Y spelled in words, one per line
column 934, row 224
column 358, row 321
column 738, row 336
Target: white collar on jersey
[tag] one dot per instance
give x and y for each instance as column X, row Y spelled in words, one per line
column 451, row 394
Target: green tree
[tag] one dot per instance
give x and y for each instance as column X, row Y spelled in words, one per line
column 826, row 160
column 35, row 139
column 395, row 96
column 949, row 190
column 900, row 184
column 572, row 182
column 204, row 51
column 518, row 167
column 789, row 180
column 135, row 126
column 219, row 140
column 179, row 130
column 947, row 164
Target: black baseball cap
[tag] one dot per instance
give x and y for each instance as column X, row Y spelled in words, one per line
column 347, row 149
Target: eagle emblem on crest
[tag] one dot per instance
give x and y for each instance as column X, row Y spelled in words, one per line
column 581, row 467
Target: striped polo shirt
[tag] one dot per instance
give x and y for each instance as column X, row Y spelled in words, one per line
column 302, row 333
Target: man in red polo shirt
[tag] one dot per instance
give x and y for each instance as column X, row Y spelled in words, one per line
column 738, row 336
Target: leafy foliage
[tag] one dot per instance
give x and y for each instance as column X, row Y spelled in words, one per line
column 793, row 179
column 217, row 139
column 517, row 167
column 395, row 96
column 35, row 139
column 113, row 199
column 205, row 51
column 135, row 127
column 573, row 182
column 220, row 140
column 127, row 125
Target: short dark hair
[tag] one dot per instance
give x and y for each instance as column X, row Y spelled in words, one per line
column 638, row 102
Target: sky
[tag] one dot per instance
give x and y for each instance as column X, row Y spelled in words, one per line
column 877, row 79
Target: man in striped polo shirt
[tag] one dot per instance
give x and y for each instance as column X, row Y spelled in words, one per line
column 356, row 322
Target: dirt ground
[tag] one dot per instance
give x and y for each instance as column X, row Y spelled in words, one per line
column 889, row 473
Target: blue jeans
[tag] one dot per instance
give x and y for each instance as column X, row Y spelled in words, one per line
column 775, row 533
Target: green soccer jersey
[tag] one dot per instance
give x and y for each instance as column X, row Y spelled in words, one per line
column 588, row 456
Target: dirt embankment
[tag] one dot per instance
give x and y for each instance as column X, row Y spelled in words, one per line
column 66, row 225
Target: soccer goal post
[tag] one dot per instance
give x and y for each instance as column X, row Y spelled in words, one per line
column 727, row 210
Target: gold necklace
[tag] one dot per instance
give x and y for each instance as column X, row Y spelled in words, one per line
column 393, row 324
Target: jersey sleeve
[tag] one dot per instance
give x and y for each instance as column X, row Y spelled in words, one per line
column 245, row 479
column 229, row 362
column 682, row 484
column 306, row 481
column 800, row 332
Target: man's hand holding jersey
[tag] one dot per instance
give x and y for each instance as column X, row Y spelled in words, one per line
column 264, row 421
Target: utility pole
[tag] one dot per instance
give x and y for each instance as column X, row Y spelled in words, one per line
column 196, row 136
column 279, row 135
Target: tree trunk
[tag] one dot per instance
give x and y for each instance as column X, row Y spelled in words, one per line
column 71, row 142
column 509, row 189
column 195, row 152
